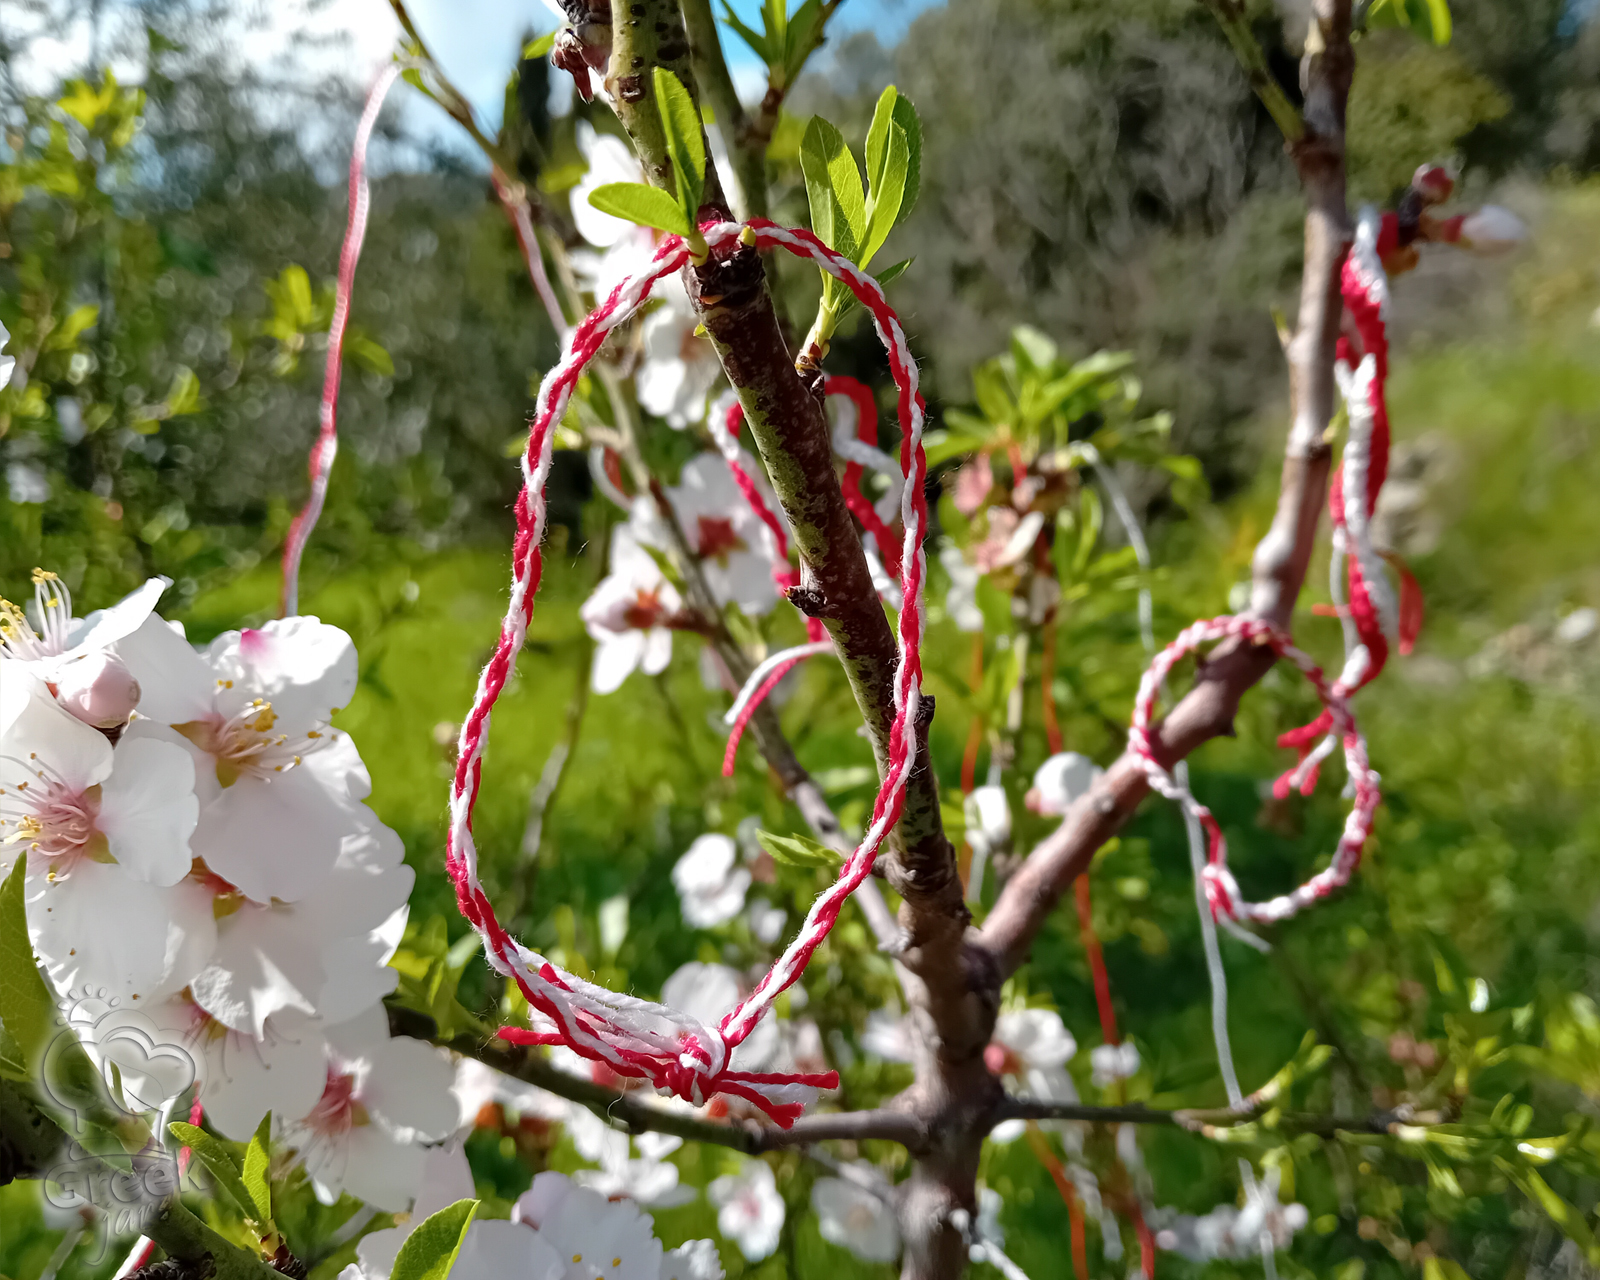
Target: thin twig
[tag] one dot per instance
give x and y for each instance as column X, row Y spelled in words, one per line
column 1235, row 24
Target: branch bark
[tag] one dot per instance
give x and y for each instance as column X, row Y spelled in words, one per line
column 734, row 304
column 746, row 153
column 1282, row 556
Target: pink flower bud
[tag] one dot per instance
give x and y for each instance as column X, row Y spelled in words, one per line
column 99, row 689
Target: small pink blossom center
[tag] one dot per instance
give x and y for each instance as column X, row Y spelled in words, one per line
column 339, row 1109
column 644, row 610
column 53, row 821
column 247, row 744
column 717, row 538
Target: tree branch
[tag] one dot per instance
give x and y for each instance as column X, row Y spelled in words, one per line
column 1235, row 24
column 785, row 415
column 1207, row 1123
column 746, row 153
column 1282, row 556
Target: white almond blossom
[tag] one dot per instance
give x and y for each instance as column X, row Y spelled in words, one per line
column 558, row 1232
column 750, row 1212
column 1112, row 1062
column 680, row 367
column 73, row 654
column 47, row 636
column 626, row 615
column 1029, row 1050
column 478, row 1085
column 1230, row 1232
column 710, row 882
column 1060, row 781
column 852, row 1216
column 736, row 550
column 164, row 1048
column 324, row 955
column 8, row 364
column 380, row 1100
column 106, row 834
column 961, row 600
column 610, row 160
column 279, row 789
column 594, row 1237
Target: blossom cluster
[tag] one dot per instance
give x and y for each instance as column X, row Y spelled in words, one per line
column 205, row 887
column 558, row 1230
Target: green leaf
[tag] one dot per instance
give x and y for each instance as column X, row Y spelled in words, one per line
column 798, row 851
column 833, row 186
column 430, row 1251
column 940, row 446
column 1439, row 20
column 756, row 42
column 1571, row 1222
column 685, row 143
column 800, row 38
column 184, row 396
column 26, row 1008
column 539, row 48
column 218, row 1159
column 894, row 109
column 644, row 205
column 66, row 334
column 257, row 1159
column 888, row 189
column 370, row 355
column 905, row 115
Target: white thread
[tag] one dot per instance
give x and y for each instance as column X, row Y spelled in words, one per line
column 758, row 677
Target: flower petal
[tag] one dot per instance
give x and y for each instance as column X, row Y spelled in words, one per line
column 176, row 684
column 148, row 810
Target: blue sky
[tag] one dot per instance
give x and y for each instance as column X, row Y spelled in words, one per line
column 472, row 39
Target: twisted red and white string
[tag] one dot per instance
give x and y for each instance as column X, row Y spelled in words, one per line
column 1222, row 890
column 638, row 1038
column 326, row 446
column 1370, row 612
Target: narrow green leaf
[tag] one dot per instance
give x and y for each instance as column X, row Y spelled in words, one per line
column 1571, row 1222
column 430, row 1251
column 257, row 1158
column 26, row 1007
column 878, row 133
column 849, row 302
column 220, row 1161
column 756, row 42
column 800, row 38
column 798, row 851
column 1439, row 19
column 833, row 186
column 905, row 115
column 1091, row 518
column 888, row 189
column 644, row 205
column 685, row 142
column 539, row 48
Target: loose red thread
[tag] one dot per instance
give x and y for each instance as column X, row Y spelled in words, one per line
column 326, row 447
